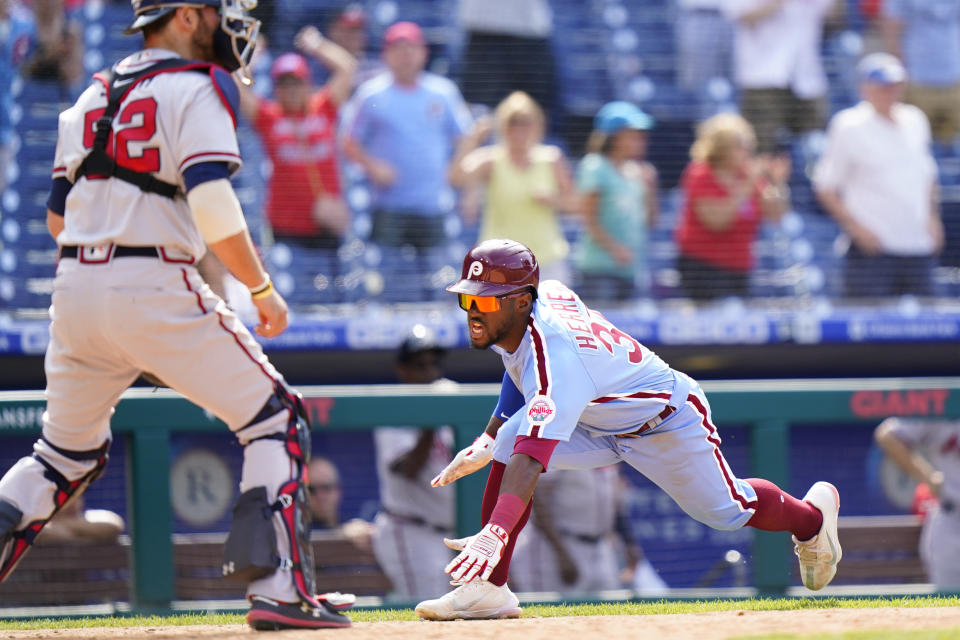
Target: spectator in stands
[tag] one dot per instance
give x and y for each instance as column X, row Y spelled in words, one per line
column 929, row 452
column 325, row 496
column 525, row 183
column 16, row 41
column 508, row 49
column 871, row 13
column 348, row 28
column 576, row 537
column 925, row 35
column 728, row 192
column 704, row 41
column 877, row 178
column 59, row 54
column 619, row 203
column 75, row 525
column 402, row 129
column 777, row 64
column 414, row 516
column 305, row 206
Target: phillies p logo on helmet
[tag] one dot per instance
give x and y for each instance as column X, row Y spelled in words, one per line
column 476, row 269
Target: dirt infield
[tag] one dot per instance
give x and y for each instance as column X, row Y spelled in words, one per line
column 695, row 626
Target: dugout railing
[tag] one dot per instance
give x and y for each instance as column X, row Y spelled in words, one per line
column 147, row 418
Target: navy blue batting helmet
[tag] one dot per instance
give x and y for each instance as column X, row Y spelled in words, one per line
column 233, row 42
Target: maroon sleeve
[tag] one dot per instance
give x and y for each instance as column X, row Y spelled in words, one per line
column 540, row 449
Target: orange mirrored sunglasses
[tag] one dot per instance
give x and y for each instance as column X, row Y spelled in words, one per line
column 485, row 304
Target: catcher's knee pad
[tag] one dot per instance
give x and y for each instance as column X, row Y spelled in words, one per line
column 251, row 549
column 54, row 465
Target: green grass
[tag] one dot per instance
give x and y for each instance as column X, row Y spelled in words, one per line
column 592, row 609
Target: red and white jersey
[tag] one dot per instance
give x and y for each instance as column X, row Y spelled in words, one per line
column 166, row 123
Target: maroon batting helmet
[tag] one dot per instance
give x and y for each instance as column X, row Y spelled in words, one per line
column 496, row 268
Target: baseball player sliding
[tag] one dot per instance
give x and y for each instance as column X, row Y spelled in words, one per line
column 140, row 184
column 591, row 396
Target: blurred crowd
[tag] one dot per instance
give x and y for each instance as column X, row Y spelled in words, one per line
column 486, row 152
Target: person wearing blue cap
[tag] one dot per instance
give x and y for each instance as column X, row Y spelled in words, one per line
column 878, row 179
column 619, row 193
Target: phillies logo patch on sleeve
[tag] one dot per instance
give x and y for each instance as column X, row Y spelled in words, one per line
column 541, row 411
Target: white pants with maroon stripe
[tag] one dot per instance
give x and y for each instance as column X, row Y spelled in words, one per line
column 681, row 455
column 113, row 320
column 413, row 556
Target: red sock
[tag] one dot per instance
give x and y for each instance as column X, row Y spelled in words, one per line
column 490, row 495
column 491, row 492
column 777, row 510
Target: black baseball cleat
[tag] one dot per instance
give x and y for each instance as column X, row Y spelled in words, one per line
column 267, row 614
column 12, row 543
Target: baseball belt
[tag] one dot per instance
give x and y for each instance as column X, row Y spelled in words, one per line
column 582, row 537
column 649, row 424
column 420, row 522
column 73, row 251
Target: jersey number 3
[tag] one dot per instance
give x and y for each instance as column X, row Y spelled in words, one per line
column 138, row 122
column 609, row 335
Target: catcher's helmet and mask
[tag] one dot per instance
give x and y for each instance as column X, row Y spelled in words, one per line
column 496, row 268
column 233, row 42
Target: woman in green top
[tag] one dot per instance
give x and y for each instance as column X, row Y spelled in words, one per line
column 524, row 183
column 619, row 203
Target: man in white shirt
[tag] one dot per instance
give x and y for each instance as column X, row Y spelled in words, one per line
column 777, row 65
column 878, row 179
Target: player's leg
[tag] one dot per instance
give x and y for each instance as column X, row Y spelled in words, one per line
column 482, row 599
column 535, row 566
column 940, row 548
column 85, row 377
column 706, row 488
column 600, row 569
column 492, row 598
column 580, row 452
column 409, row 555
column 214, row 361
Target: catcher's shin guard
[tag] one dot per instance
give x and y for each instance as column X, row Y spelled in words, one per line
column 250, row 552
column 14, row 543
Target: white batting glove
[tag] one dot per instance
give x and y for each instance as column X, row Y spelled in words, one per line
column 457, row 544
column 471, row 459
column 480, row 556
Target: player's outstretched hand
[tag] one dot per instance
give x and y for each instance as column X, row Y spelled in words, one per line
column 480, row 556
column 471, row 459
column 273, row 315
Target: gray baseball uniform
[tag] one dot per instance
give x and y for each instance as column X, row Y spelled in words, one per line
column 127, row 296
column 582, row 505
column 939, row 441
column 414, row 515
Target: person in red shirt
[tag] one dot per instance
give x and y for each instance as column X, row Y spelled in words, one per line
column 298, row 130
column 727, row 191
